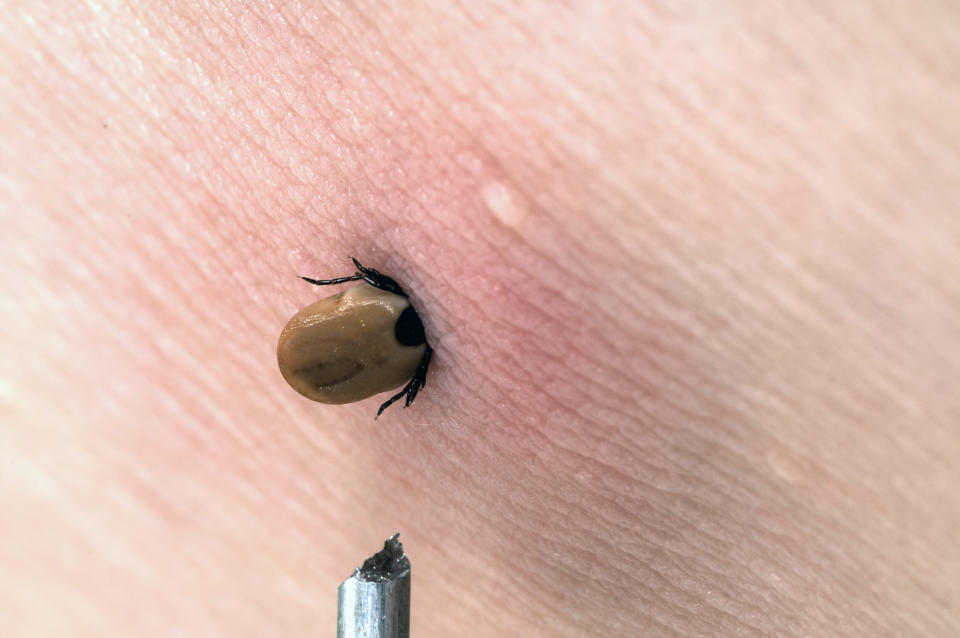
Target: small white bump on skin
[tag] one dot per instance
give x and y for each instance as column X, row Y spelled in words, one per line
column 6, row 391
column 505, row 203
column 783, row 467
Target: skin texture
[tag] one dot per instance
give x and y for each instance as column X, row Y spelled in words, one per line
column 690, row 271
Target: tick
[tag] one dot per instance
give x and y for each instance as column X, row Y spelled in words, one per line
column 360, row 342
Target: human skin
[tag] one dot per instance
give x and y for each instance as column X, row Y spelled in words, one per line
column 690, row 271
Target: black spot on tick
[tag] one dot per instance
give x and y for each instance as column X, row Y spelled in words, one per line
column 409, row 328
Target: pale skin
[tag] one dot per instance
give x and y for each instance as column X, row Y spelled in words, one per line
column 691, row 275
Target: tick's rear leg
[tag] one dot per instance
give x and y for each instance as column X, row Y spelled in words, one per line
column 413, row 386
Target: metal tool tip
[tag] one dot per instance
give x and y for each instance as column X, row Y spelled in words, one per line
column 387, row 564
column 375, row 601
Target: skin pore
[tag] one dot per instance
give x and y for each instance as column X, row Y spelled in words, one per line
column 689, row 271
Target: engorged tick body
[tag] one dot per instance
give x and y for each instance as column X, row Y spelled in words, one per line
column 360, row 342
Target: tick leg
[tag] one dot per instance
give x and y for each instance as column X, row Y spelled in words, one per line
column 377, row 279
column 419, row 379
column 413, row 386
column 390, row 402
column 327, row 282
column 373, row 277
